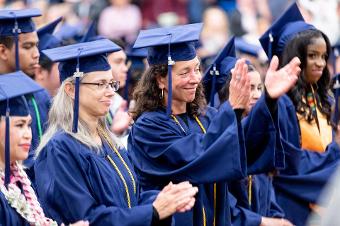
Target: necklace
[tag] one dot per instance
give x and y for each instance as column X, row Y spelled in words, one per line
column 26, row 205
column 113, row 147
column 215, row 185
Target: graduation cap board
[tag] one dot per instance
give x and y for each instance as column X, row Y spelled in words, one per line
column 13, row 87
column 218, row 72
column 46, row 38
column 168, row 45
column 282, row 30
column 243, row 46
column 15, row 22
column 80, row 58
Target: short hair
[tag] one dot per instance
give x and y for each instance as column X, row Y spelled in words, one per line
column 7, row 41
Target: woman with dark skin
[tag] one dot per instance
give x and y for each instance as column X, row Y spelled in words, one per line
column 310, row 96
column 305, row 121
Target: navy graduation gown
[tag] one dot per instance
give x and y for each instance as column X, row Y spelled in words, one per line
column 43, row 101
column 263, row 201
column 75, row 183
column 162, row 151
column 262, row 138
column 8, row 215
column 306, row 172
column 303, row 183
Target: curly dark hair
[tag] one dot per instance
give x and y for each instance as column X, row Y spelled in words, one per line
column 298, row 47
column 148, row 95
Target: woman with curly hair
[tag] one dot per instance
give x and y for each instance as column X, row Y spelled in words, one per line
column 176, row 136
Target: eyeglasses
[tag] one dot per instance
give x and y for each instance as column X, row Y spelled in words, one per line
column 101, row 86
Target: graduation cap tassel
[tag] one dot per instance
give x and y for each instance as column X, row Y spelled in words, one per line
column 214, row 73
column 7, row 147
column 270, row 44
column 337, row 96
column 16, row 30
column 170, row 63
column 76, row 105
column 77, row 75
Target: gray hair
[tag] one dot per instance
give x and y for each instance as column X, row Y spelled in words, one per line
column 61, row 118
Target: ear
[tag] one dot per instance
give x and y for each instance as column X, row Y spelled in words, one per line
column 39, row 73
column 69, row 90
column 161, row 81
column 4, row 52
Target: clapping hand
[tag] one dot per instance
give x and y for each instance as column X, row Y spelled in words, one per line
column 239, row 89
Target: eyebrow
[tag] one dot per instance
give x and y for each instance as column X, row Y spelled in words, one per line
column 188, row 67
column 101, row 80
column 22, row 121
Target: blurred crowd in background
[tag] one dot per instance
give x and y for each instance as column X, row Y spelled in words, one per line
column 122, row 19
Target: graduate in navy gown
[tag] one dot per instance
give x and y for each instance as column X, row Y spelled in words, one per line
column 305, row 120
column 19, row 43
column 252, row 199
column 81, row 171
column 176, row 137
column 18, row 202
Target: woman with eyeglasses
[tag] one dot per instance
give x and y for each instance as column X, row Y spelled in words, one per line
column 82, row 171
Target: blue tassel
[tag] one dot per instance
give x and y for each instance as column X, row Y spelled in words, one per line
column 168, row 108
column 337, row 96
column 76, row 106
column 213, row 73
column 7, row 147
column 16, row 31
column 270, row 43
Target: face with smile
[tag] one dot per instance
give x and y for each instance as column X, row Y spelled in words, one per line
column 95, row 94
column 20, row 137
column 186, row 76
column 316, row 60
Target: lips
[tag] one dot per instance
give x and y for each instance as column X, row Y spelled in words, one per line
column 25, row 146
column 319, row 72
column 107, row 102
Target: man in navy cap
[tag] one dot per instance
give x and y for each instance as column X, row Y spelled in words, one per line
column 19, row 51
column 47, row 74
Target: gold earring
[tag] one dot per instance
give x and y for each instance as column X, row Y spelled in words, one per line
column 162, row 93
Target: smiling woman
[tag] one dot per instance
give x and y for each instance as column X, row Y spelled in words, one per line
column 18, row 202
column 93, row 178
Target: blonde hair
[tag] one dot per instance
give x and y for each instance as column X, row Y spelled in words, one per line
column 61, row 118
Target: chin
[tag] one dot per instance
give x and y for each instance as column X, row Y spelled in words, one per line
column 21, row 157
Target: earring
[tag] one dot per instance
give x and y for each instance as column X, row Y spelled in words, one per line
column 162, row 93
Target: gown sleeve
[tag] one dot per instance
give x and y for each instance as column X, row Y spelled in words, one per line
column 262, row 138
column 160, row 149
column 65, row 192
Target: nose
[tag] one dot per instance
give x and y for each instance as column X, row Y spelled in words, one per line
column 109, row 91
column 320, row 62
column 36, row 53
column 195, row 77
column 125, row 67
column 256, row 94
column 28, row 133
